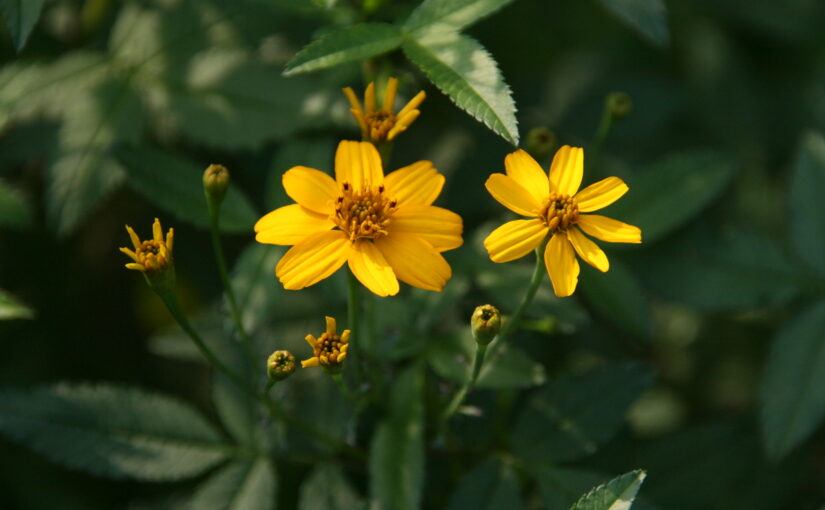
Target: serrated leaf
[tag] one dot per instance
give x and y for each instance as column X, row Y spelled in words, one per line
column 462, row 69
column 570, row 417
column 617, row 296
column 648, row 17
column 326, row 488
column 242, row 485
column 489, row 486
column 349, row 44
column 176, row 185
column 807, row 223
column 562, row 487
column 396, row 461
column 793, row 388
column 15, row 211
column 450, row 15
column 12, row 308
column 20, row 17
column 669, row 193
column 617, row 494
column 112, row 431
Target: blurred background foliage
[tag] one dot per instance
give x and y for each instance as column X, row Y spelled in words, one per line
column 699, row 357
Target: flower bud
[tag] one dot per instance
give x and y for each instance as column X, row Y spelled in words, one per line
column 215, row 183
column 618, row 104
column 485, row 323
column 540, row 142
column 280, row 365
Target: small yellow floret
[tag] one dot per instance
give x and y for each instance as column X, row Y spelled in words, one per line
column 330, row 349
column 379, row 126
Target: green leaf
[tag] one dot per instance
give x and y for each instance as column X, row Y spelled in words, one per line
column 12, row 308
column 462, row 69
column 349, row 44
column 570, row 417
column 793, row 388
column 327, row 488
column 242, row 485
column 450, row 15
column 807, row 223
column 20, row 17
column 506, row 367
column 15, row 211
column 648, row 17
column 489, row 486
column 176, row 185
column 396, row 462
column 112, row 431
column 617, row 494
column 618, row 297
column 671, row 192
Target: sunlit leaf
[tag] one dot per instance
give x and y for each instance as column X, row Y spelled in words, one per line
column 20, row 17
column 242, row 485
column 807, row 223
column 450, row 15
column 12, row 308
column 350, row 44
column 648, row 17
column 617, row 494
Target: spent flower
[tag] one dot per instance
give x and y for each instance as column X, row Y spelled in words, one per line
column 379, row 126
column 330, row 349
column 280, row 365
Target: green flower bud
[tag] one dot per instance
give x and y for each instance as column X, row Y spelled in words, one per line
column 215, row 183
column 618, row 104
column 280, row 365
column 485, row 323
column 540, row 142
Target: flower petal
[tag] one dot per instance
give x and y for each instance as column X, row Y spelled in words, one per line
column 359, row 164
column 562, row 266
column 313, row 259
column 514, row 239
column 371, row 268
column 608, row 229
column 512, row 195
column 419, row 183
column 588, row 250
column 567, row 169
column 601, row 194
column 311, row 188
column 526, row 171
column 290, row 225
column 439, row 227
column 413, row 103
column 414, row 261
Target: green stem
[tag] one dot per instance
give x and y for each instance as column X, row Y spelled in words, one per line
column 605, row 125
column 538, row 272
column 458, row 398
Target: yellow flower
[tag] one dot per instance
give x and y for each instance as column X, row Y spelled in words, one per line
column 555, row 205
column 379, row 126
column 385, row 228
column 330, row 350
column 152, row 255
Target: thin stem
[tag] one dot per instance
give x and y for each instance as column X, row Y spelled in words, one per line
column 458, row 398
column 538, row 272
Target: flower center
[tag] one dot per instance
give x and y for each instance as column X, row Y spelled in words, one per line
column 152, row 255
column 363, row 213
column 560, row 212
column 379, row 124
column 329, row 348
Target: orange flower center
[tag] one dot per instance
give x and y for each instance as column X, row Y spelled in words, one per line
column 329, row 348
column 152, row 255
column 363, row 213
column 379, row 125
column 560, row 212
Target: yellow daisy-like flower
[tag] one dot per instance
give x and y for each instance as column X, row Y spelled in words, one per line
column 555, row 204
column 385, row 228
column 379, row 126
column 151, row 255
column 330, row 350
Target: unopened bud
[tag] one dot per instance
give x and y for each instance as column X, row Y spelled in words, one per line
column 618, row 104
column 215, row 183
column 485, row 323
column 280, row 365
column 540, row 142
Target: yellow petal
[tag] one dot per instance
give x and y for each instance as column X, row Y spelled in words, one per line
column 414, row 261
column 419, row 183
column 414, row 103
column 313, row 259
column 439, row 227
column 136, row 267
column 514, row 239
column 133, row 236
column 389, row 94
column 524, row 170
column 290, row 225
column 354, row 103
column 170, row 239
column 359, row 164
column 311, row 340
column 561, row 264
column 512, row 195
column 588, row 250
column 608, row 229
column 311, row 362
column 157, row 231
column 311, row 188
column 369, row 98
column 601, row 194
column 372, row 269
column 567, row 169
column 330, row 325
column 402, row 123
column 130, row 253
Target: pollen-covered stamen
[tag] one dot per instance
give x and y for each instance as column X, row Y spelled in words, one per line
column 363, row 213
column 379, row 125
column 331, row 349
column 560, row 212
